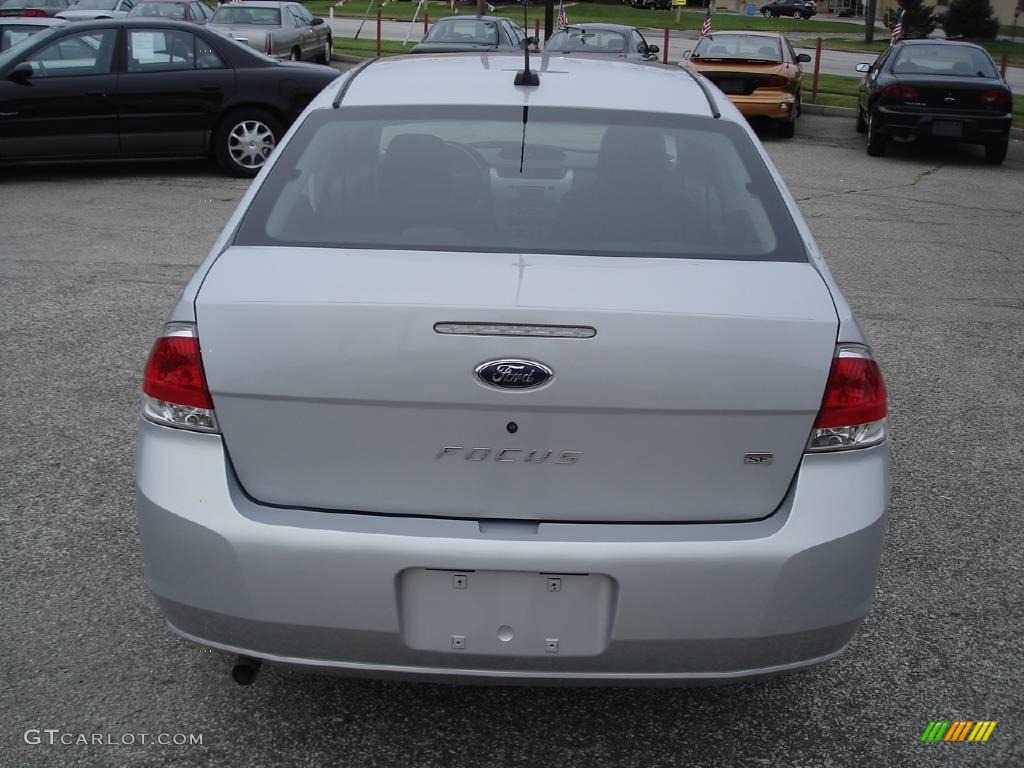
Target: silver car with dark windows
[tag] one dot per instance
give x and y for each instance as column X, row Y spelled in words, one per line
column 281, row 30
column 441, row 403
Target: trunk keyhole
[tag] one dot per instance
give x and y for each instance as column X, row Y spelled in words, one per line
column 512, row 427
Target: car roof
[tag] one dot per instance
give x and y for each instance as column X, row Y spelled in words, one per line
column 623, row 28
column 474, row 17
column 737, row 32
column 486, row 79
column 35, row 21
column 940, row 41
column 258, row 3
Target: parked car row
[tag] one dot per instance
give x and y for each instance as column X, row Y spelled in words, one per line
column 148, row 88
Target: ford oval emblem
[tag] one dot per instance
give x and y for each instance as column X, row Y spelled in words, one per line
column 513, row 374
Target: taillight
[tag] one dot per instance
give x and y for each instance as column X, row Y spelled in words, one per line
column 270, row 46
column 854, row 408
column 33, row 12
column 174, row 384
column 995, row 97
column 774, row 81
column 901, row 92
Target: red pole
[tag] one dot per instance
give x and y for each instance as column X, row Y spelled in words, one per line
column 664, row 49
column 1002, row 67
column 536, row 31
column 817, row 66
column 378, row 31
column 426, row 21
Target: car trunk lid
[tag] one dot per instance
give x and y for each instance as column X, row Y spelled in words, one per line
column 334, row 390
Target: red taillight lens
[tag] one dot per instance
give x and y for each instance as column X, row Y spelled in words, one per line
column 774, row 81
column 34, row 12
column 995, row 97
column 901, row 92
column 270, row 46
column 174, row 373
column 855, row 404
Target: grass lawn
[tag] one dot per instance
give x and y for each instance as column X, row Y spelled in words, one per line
column 841, row 91
column 366, row 45
column 584, row 12
column 1014, row 51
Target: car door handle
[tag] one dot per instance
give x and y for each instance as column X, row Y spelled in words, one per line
column 209, row 87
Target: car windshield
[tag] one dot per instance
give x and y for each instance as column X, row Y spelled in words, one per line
column 242, row 14
column 94, row 5
column 249, row 51
column 162, row 10
column 587, row 40
column 463, row 31
column 939, row 59
column 574, row 181
column 748, row 47
column 20, row 45
column 20, row 4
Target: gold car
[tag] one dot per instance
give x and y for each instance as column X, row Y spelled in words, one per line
column 759, row 72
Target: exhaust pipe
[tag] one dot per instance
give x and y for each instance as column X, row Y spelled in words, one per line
column 246, row 670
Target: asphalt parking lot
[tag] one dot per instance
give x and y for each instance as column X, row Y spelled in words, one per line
column 926, row 244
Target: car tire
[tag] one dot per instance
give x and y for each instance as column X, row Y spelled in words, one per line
column 328, row 51
column 787, row 128
column 244, row 139
column 798, row 15
column 295, row 55
column 767, row 13
column 877, row 140
column 995, row 153
column 862, row 124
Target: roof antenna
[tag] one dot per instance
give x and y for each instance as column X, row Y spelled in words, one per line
column 525, row 76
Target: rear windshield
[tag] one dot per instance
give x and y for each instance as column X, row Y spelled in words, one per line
column 463, row 31
column 940, row 59
column 592, row 41
column 163, row 10
column 241, row 14
column 580, row 182
column 94, row 5
column 748, row 47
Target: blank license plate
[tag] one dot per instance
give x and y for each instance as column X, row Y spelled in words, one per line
column 509, row 613
column 952, row 128
column 732, row 86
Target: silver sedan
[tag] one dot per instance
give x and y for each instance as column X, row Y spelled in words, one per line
column 282, row 30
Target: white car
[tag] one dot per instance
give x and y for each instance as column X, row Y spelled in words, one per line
column 97, row 9
column 444, row 401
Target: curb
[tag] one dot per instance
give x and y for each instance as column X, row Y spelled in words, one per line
column 348, row 58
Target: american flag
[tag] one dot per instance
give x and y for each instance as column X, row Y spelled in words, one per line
column 705, row 28
column 897, row 30
column 563, row 17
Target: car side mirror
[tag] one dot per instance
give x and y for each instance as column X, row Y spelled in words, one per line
column 317, row 21
column 22, row 72
column 653, row 49
column 862, row 67
column 687, row 54
column 803, row 58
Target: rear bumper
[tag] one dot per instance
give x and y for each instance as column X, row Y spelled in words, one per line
column 978, row 129
column 777, row 105
column 688, row 603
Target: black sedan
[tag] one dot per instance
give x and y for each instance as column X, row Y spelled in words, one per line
column 798, row 9
column 935, row 88
column 651, row 5
column 148, row 88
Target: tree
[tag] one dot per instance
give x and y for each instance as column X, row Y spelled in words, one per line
column 917, row 19
column 971, row 18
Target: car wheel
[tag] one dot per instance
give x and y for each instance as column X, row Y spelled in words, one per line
column 295, row 55
column 244, row 140
column 876, row 139
column 862, row 124
column 995, row 153
column 797, row 15
column 766, row 12
column 328, row 51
